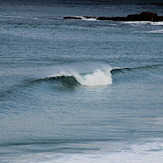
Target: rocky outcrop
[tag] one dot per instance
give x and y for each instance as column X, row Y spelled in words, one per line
column 72, row 17
column 144, row 16
column 112, row 18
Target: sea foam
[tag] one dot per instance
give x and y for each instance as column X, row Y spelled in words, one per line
column 143, row 23
column 96, row 78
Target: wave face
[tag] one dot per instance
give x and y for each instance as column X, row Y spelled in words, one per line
column 98, row 77
column 64, row 79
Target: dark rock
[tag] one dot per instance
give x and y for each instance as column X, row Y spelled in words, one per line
column 158, row 19
column 104, row 18
column 144, row 16
column 72, row 17
column 112, row 18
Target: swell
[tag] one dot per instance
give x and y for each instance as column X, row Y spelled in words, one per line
column 90, row 79
column 133, row 69
column 97, row 77
column 59, row 81
column 53, row 141
column 100, row 76
column 5, row 93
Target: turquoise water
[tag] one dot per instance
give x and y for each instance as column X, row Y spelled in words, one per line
column 80, row 90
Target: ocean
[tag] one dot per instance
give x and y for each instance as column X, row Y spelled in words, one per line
column 80, row 91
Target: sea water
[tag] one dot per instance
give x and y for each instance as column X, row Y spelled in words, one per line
column 80, row 90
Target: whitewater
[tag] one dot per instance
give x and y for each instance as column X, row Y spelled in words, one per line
column 96, row 78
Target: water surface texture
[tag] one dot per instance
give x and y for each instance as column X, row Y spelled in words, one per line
column 80, row 90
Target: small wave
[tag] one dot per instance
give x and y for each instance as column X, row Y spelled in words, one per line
column 88, row 18
column 156, row 23
column 136, row 22
column 143, row 23
column 95, row 78
column 9, row 16
column 129, row 69
column 156, row 31
column 99, row 77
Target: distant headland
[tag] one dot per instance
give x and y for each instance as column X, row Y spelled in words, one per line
column 144, row 16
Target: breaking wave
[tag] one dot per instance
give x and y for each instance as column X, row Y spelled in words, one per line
column 143, row 23
column 139, row 69
column 93, row 78
column 96, row 78
column 99, row 77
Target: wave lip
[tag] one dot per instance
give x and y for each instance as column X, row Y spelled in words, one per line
column 65, row 80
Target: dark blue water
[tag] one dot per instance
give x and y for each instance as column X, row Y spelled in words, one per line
column 80, row 90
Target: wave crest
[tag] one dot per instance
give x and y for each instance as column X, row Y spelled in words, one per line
column 96, row 78
column 100, row 77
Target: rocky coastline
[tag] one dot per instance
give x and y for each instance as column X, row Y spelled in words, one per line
column 144, row 16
